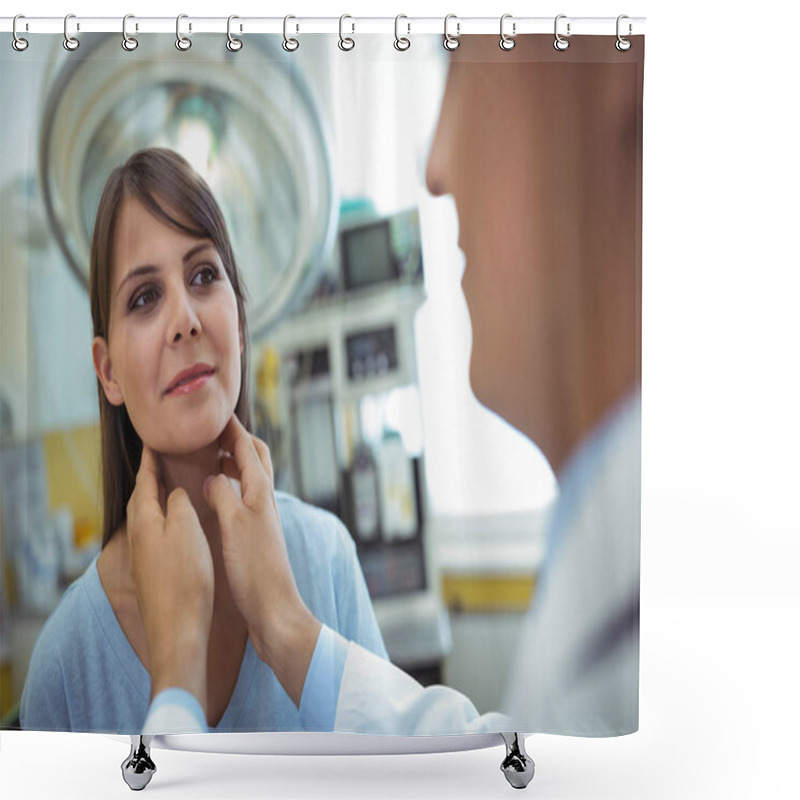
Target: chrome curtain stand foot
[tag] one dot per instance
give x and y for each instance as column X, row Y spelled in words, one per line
column 517, row 766
column 138, row 768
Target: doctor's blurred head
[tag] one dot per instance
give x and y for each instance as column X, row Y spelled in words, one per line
column 171, row 345
column 538, row 149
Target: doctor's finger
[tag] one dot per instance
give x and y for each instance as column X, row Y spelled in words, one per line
column 222, row 499
column 262, row 450
column 254, row 482
column 180, row 507
column 230, row 434
column 146, row 492
column 227, row 464
column 147, row 477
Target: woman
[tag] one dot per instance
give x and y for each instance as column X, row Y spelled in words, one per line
column 171, row 356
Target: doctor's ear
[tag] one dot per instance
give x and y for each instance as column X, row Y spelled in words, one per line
column 105, row 374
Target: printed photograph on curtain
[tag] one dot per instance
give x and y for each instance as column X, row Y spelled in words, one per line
column 320, row 385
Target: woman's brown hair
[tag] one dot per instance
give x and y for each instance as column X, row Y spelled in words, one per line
column 158, row 178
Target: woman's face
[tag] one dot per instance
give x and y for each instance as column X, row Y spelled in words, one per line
column 173, row 354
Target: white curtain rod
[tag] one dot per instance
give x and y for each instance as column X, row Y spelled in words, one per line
column 630, row 26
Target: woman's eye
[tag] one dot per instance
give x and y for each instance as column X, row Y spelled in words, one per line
column 144, row 297
column 205, row 276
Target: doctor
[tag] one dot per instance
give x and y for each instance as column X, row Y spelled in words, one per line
column 541, row 152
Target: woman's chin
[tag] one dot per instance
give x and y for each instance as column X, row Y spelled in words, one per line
column 187, row 445
column 189, row 434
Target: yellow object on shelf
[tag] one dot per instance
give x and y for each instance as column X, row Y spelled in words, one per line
column 85, row 532
column 6, row 682
column 73, row 478
column 487, row 593
column 267, row 379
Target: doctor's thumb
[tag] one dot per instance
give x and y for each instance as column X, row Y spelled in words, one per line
column 221, row 494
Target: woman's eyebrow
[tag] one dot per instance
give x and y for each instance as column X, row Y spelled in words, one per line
column 147, row 269
column 196, row 249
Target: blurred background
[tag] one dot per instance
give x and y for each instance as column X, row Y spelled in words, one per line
column 360, row 335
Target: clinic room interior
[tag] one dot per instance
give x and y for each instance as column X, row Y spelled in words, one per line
column 359, row 347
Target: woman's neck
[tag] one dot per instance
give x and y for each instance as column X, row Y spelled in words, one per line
column 188, row 473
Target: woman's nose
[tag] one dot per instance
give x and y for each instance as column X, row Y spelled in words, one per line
column 183, row 322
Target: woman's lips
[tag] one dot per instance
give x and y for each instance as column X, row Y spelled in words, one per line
column 190, row 380
column 191, row 385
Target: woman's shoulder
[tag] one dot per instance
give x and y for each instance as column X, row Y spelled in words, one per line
column 314, row 536
column 52, row 663
column 305, row 521
column 72, row 615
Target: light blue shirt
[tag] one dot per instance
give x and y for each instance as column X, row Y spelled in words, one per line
column 176, row 710
column 85, row 676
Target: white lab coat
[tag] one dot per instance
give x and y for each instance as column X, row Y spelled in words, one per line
column 576, row 669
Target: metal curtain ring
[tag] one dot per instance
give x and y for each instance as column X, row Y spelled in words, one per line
column 561, row 43
column 182, row 42
column 401, row 42
column 70, row 42
column 345, row 43
column 507, row 42
column 623, row 44
column 18, row 43
column 451, row 42
column 233, row 44
column 289, row 44
column 128, row 42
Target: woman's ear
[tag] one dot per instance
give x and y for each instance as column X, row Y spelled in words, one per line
column 105, row 374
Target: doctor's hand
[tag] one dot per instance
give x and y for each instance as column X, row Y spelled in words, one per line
column 283, row 631
column 173, row 574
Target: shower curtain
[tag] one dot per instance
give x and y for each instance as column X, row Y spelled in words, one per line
column 439, row 240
